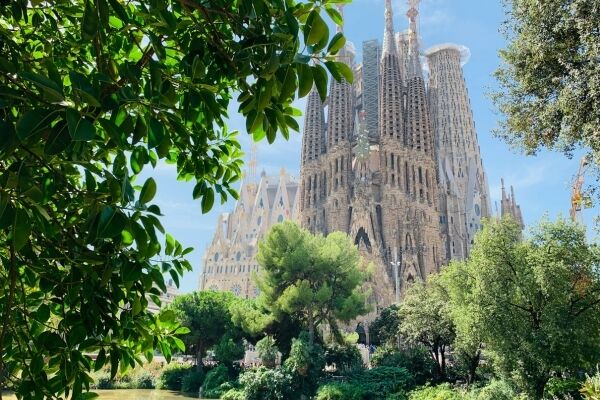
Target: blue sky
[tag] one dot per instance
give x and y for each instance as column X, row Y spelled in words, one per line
column 542, row 183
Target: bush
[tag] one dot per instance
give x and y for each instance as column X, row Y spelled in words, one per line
column 306, row 364
column 440, row 392
column 339, row 391
column 264, row 383
column 171, row 377
column 380, row 382
column 344, row 357
column 558, row 388
column 495, row 390
column 192, row 381
column 591, row 387
column 267, row 351
column 234, row 394
column 227, row 351
column 416, row 360
column 213, row 381
column 103, row 381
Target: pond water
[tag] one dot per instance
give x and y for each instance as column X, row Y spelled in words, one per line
column 133, row 394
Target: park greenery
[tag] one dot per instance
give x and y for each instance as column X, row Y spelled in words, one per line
column 549, row 86
column 517, row 320
column 93, row 93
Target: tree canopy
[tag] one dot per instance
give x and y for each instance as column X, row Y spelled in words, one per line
column 313, row 278
column 535, row 303
column 425, row 320
column 206, row 314
column 92, row 92
column 550, row 78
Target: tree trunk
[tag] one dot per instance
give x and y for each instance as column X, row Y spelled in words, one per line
column 311, row 329
column 443, row 362
column 199, row 354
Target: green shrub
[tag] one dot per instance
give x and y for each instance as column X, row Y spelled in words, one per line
column 102, row 380
column 558, row 388
column 264, row 383
column 339, row 391
column 344, row 357
column 591, row 387
column 416, row 360
column 172, row 375
column 267, row 351
column 234, row 394
column 495, row 390
column 440, row 392
column 306, row 364
column 227, row 351
column 213, row 381
column 380, row 382
column 192, row 381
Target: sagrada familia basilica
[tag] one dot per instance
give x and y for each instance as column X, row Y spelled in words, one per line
column 392, row 159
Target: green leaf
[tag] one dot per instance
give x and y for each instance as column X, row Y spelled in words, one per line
column 169, row 244
column 80, row 128
column 21, row 229
column 167, row 316
column 88, row 395
column 156, row 133
column 208, row 200
column 333, row 70
column 110, row 223
column 292, row 123
column 89, row 26
column 58, row 140
column 315, row 28
column 100, row 360
column 334, row 15
column 48, row 87
column 337, row 43
column 321, row 80
column 34, row 122
column 254, row 121
column 148, row 191
column 346, row 72
column 178, row 343
column 119, row 9
column 305, row 77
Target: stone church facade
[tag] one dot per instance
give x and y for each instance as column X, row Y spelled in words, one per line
column 408, row 186
column 229, row 262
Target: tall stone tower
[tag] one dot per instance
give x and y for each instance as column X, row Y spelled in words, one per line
column 379, row 187
column 464, row 198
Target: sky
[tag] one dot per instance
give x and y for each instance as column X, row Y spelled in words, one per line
column 542, row 183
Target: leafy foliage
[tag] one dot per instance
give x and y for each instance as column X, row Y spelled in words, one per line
column 440, row 392
column 306, row 364
column 339, row 391
column 213, row 381
column 384, row 330
column 228, row 350
column 172, row 375
column 345, row 357
column 417, row 360
column 265, row 383
column 267, row 351
column 426, row 321
column 299, row 273
column 206, row 315
column 192, row 381
column 93, row 93
column 591, row 387
column 544, row 290
column 380, row 382
column 550, row 87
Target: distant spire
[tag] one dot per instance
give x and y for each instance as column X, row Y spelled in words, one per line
column 252, row 164
column 389, row 47
column 414, row 56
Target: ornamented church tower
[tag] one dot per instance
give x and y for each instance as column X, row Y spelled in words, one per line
column 410, row 189
column 464, row 199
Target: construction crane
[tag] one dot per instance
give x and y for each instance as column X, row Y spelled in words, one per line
column 578, row 199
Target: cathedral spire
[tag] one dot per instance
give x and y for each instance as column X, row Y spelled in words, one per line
column 389, row 47
column 414, row 63
column 391, row 125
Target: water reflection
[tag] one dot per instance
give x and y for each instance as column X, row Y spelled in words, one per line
column 132, row 394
